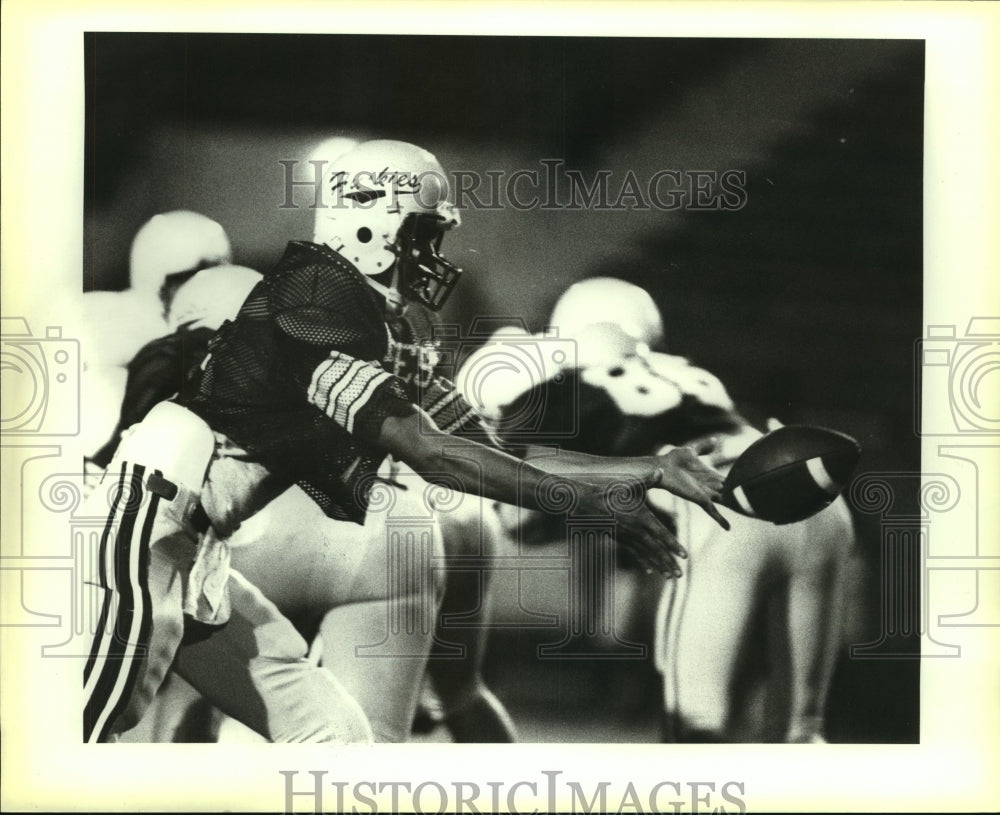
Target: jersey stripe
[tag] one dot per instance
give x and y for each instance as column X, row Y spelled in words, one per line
column 321, row 369
column 448, row 408
column 341, row 386
column 329, row 379
column 336, row 391
column 442, row 409
column 461, row 419
column 445, row 398
column 377, row 378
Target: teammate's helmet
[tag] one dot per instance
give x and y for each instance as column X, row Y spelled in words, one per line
column 608, row 301
column 504, row 367
column 172, row 242
column 211, row 297
column 386, row 208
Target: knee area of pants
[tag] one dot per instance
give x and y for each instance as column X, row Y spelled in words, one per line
column 385, row 732
column 344, row 727
column 308, row 704
column 344, row 723
column 347, row 725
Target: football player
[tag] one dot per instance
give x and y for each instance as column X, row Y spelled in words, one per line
column 165, row 252
column 627, row 399
column 159, row 371
column 327, row 380
column 195, row 306
column 141, row 588
column 367, row 287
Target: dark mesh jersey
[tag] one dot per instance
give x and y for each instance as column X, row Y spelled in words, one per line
column 622, row 410
column 306, row 374
column 158, row 372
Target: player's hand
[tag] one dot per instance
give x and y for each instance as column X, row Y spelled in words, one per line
column 687, row 476
column 648, row 542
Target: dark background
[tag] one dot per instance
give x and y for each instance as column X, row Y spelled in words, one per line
column 806, row 302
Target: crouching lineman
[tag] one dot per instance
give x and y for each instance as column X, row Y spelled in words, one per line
column 631, row 400
column 319, row 381
column 157, row 583
column 166, row 251
column 195, row 304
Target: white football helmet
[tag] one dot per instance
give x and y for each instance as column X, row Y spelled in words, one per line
column 211, row 297
column 386, row 209
column 171, row 242
column 610, row 312
column 646, row 385
column 504, row 367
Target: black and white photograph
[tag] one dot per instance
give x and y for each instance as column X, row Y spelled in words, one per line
column 571, row 415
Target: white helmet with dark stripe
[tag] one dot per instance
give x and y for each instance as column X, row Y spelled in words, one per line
column 385, row 209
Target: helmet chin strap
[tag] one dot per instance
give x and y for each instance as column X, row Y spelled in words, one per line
column 394, row 301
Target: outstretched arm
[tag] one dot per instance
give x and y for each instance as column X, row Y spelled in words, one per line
column 682, row 472
column 493, row 474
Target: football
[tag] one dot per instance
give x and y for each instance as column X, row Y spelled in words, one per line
column 791, row 473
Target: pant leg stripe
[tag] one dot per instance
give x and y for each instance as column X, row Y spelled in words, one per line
column 96, row 647
column 113, row 641
column 104, row 571
column 142, row 619
column 119, row 644
column 102, row 641
column 119, row 640
column 106, row 557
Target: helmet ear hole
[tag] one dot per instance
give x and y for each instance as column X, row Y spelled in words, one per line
column 392, row 218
